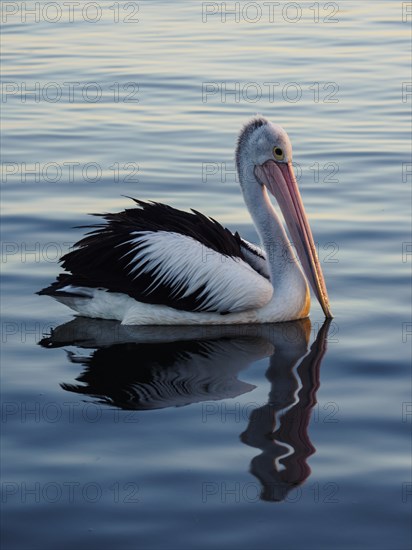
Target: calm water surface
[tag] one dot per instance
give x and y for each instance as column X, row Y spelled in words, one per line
column 286, row 437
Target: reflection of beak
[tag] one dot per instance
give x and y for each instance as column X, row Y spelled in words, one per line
column 280, row 179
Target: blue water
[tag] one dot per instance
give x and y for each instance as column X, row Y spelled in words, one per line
column 291, row 436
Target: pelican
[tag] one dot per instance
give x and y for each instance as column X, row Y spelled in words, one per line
column 156, row 265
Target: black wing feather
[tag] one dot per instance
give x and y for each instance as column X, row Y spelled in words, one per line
column 100, row 259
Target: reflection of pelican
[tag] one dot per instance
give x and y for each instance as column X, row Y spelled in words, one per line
column 155, row 265
column 129, row 369
column 280, row 427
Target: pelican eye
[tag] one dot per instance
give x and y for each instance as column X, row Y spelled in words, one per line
column 278, row 153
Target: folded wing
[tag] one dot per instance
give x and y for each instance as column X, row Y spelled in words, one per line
column 160, row 255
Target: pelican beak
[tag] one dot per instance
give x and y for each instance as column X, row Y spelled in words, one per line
column 280, row 179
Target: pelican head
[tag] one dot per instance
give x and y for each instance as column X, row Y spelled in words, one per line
column 264, row 151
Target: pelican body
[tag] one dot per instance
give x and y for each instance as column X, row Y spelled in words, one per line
column 156, row 265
